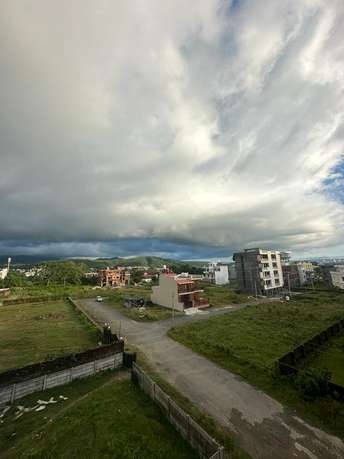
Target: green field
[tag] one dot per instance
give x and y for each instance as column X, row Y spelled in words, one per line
column 151, row 313
column 35, row 291
column 31, row 333
column 249, row 341
column 105, row 416
column 331, row 357
column 223, row 295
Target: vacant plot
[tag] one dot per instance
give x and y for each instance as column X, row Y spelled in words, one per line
column 153, row 312
column 51, row 291
column 31, row 333
column 223, row 295
column 249, row 341
column 103, row 417
column 331, row 357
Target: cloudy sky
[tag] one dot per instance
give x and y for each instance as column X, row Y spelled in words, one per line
column 187, row 130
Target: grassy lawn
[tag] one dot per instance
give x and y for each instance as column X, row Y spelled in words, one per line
column 105, row 416
column 31, row 333
column 249, row 341
column 51, row 291
column 117, row 296
column 222, row 295
column 331, row 357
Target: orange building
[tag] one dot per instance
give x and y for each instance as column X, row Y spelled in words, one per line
column 117, row 277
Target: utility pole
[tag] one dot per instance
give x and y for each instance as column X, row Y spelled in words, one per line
column 289, row 284
column 172, row 305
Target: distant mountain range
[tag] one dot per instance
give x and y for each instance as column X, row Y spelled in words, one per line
column 97, row 263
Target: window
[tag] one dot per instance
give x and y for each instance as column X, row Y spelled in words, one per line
column 268, row 283
column 266, row 273
column 273, row 256
column 274, row 264
column 277, row 281
column 265, row 256
column 276, row 273
column 266, row 265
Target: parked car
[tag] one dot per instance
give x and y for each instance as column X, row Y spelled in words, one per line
column 99, row 299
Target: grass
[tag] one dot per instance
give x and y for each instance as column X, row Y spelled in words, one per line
column 151, row 313
column 331, row 357
column 104, row 417
column 51, row 291
column 223, row 295
column 249, row 341
column 214, row 429
column 30, row 333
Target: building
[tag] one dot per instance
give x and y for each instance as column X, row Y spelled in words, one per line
column 291, row 276
column 337, row 277
column 178, row 293
column 306, row 272
column 232, row 271
column 216, row 273
column 117, row 277
column 325, row 273
column 259, row 272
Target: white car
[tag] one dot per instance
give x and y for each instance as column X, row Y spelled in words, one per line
column 99, row 299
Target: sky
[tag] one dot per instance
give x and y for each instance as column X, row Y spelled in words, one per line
column 190, row 131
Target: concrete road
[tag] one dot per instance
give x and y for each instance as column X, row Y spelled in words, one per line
column 262, row 426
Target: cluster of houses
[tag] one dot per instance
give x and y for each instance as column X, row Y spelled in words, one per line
column 270, row 272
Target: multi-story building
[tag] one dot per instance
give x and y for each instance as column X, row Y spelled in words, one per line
column 177, row 292
column 337, row 277
column 325, row 273
column 114, row 277
column 259, row 272
column 216, row 273
column 306, row 272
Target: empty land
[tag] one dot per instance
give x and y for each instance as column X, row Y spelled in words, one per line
column 331, row 357
column 33, row 332
column 104, row 416
column 250, row 340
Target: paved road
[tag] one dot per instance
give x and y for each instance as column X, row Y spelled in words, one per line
column 262, row 426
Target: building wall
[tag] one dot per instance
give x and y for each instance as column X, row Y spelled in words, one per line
column 166, row 293
column 306, row 271
column 337, row 277
column 259, row 271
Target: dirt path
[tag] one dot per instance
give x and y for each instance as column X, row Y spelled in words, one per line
column 261, row 424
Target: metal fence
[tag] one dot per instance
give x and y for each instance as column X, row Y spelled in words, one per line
column 198, row 438
column 58, row 378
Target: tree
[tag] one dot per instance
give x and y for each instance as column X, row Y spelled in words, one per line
column 66, row 272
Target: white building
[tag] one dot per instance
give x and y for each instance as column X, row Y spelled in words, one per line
column 179, row 293
column 3, row 273
column 306, row 272
column 259, row 271
column 337, row 276
column 216, row 274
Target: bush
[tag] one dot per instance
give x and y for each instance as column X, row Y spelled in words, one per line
column 313, row 383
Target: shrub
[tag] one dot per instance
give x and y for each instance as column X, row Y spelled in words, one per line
column 313, row 383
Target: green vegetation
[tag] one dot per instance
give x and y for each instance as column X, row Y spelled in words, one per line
column 30, row 333
column 330, row 357
column 249, row 341
column 214, row 429
column 152, row 312
column 51, row 291
column 222, row 295
column 104, row 416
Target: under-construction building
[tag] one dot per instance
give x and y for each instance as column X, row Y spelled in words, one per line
column 114, row 277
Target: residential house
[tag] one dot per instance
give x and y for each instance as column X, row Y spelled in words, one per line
column 216, row 273
column 337, row 277
column 178, row 292
column 114, row 277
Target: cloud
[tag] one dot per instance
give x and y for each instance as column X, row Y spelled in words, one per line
column 219, row 125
